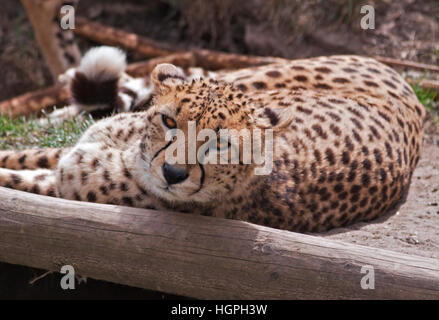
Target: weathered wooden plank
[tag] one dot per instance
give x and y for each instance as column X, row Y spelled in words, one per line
column 200, row 257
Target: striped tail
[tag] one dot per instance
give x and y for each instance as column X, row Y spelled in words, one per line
column 31, row 158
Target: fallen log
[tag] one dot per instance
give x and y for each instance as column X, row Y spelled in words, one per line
column 407, row 64
column 200, row 257
column 202, row 59
column 144, row 68
column 207, row 59
column 116, row 37
column 151, row 48
column 35, row 101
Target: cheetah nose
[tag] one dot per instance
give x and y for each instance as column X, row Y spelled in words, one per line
column 173, row 174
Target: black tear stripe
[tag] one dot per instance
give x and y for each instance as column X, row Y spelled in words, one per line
column 160, row 150
column 201, row 178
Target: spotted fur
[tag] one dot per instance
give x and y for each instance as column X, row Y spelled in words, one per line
column 347, row 137
column 31, row 159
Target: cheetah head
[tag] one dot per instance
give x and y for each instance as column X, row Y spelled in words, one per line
column 185, row 157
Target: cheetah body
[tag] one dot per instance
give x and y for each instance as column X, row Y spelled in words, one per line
column 347, row 137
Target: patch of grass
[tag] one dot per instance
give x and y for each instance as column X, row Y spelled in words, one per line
column 426, row 97
column 22, row 133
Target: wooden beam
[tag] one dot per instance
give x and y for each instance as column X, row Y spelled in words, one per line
column 200, row 257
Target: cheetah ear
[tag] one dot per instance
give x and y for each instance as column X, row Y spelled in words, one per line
column 165, row 76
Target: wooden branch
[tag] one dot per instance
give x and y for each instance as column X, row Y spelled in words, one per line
column 116, row 37
column 207, row 59
column 214, row 60
column 151, row 48
column 144, row 68
column 200, row 58
column 35, row 101
column 200, row 257
column 407, row 64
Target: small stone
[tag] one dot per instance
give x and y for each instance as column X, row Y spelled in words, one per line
column 412, row 240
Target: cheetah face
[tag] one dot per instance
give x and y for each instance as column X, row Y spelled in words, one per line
column 180, row 162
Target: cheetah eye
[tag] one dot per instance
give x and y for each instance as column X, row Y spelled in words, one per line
column 169, row 122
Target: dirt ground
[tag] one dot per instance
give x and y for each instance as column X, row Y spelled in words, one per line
column 405, row 29
column 414, row 227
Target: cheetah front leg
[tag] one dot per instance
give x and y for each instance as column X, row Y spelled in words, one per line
column 40, row 181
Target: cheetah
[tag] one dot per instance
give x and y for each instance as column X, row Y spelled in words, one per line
column 347, row 135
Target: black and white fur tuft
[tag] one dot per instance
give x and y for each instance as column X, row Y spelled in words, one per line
column 94, row 85
column 100, row 87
